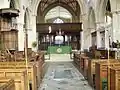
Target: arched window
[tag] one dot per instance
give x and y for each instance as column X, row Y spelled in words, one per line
column 12, row 4
column 58, row 20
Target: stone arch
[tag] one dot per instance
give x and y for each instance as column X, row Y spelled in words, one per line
column 31, row 36
column 91, row 18
column 27, row 19
column 63, row 19
column 62, row 5
column 101, row 10
column 14, row 4
column 35, row 5
column 115, row 5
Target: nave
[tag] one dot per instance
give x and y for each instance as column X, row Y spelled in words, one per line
column 63, row 76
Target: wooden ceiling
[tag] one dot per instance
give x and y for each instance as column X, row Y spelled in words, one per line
column 45, row 3
column 43, row 28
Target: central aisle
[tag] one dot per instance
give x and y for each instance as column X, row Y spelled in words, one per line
column 63, row 76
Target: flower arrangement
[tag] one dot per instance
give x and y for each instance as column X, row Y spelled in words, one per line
column 34, row 44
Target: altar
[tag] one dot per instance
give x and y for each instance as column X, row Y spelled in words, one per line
column 59, row 49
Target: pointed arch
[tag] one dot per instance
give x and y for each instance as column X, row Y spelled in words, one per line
column 62, row 5
column 35, row 4
column 91, row 18
column 101, row 9
column 14, row 4
column 27, row 19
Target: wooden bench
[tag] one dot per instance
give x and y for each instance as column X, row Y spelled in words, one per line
column 39, row 66
column 91, row 69
column 84, row 65
column 114, row 78
column 109, row 74
column 101, row 73
column 77, row 59
column 20, row 82
column 7, row 84
column 15, row 71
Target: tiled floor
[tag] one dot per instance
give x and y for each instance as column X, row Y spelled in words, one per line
column 63, row 76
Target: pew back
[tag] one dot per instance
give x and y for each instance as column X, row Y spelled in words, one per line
column 101, row 72
column 20, row 82
column 7, row 84
column 16, row 71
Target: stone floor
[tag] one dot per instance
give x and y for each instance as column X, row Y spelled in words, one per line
column 58, row 58
column 63, row 76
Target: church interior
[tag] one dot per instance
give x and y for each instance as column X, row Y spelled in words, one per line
column 59, row 44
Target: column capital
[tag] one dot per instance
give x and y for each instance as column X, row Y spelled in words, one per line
column 100, row 25
column 34, row 15
column 99, row 22
column 115, row 12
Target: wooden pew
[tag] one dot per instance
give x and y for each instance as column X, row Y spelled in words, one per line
column 36, row 59
column 7, row 84
column 40, row 69
column 77, row 59
column 114, row 78
column 91, row 69
column 39, row 66
column 84, row 65
column 101, row 73
column 19, row 81
column 15, row 71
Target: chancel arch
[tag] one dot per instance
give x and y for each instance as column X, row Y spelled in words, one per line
column 35, row 5
column 69, row 7
column 58, row 13
column 71, row 11
column 72, row 7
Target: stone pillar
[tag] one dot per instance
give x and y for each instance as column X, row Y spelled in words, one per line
column 82, row 41
column 108, row 35
column 20, row 24
column 73, row 19
column 106, row 39
column 100, row 27
column 20, row 37
column 37, row 39
column 98, row 39
column 87, row 39
column 40, row 19
column 116, row 26
column 32, row 37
